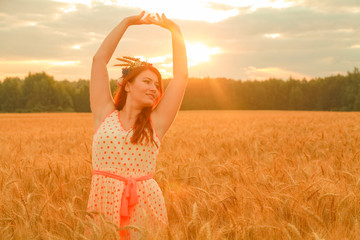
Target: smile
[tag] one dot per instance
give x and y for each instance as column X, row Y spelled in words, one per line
column 153, row 97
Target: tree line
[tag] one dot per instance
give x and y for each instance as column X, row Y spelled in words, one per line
column 39, row 92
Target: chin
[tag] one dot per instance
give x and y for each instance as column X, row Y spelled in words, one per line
column 148, row 104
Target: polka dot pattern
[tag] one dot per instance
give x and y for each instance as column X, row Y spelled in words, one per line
column 113, row 152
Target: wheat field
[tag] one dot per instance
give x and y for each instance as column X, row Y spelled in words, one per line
column 224, row 175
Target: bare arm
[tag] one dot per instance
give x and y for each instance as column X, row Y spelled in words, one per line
column 170, row 103
column 101, row 100
column 100, row 92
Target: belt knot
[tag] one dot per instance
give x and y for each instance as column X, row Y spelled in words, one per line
column 130, row 197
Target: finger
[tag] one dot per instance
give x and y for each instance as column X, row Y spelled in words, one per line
column 158, row 16
column 150, row 21
column 146, row 21
column 149, row 18
column 152, row 18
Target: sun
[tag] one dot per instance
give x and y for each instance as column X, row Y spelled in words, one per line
column 199, row 53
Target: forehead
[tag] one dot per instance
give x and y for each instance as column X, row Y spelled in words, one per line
column 148, row 74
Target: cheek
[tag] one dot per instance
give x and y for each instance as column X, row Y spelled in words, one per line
column 143, row 87
column 140, row 88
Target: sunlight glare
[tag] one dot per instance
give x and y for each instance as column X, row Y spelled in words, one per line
column 199, row 53
column 72, row 2
column 64, row 63
column 77, row 47
column 272, row 35
column 32, row 24
column 72, row 8
column 159, row 59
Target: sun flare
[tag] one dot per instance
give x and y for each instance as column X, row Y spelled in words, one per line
column 199, row 53
column 272, row 35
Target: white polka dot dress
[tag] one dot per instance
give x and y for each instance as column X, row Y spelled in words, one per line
column 113, row 153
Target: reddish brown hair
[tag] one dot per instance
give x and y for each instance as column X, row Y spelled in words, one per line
column 142, row 127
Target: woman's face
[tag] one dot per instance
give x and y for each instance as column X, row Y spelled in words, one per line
column 144, row 90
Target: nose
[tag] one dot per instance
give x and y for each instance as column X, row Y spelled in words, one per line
column 153, row 88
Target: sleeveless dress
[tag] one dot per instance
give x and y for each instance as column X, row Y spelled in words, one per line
column 120, row 169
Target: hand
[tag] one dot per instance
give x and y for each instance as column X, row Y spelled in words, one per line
column 164, row 22
column 136, row 20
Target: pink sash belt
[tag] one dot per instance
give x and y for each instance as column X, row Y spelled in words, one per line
column 129, row 197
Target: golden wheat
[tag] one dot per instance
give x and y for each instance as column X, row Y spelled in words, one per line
column 224, row 175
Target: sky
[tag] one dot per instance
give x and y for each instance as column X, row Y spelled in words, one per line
column 236, row 39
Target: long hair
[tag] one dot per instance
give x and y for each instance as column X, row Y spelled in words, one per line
column 142, row 127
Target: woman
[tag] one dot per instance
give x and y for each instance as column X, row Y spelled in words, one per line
column 122, row 187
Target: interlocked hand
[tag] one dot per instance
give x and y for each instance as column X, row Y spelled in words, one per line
column 164, row 22
column 137, row 19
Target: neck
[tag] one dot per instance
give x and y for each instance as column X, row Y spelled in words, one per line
column 130, row 113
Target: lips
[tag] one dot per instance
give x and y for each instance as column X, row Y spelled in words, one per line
column 153, row 96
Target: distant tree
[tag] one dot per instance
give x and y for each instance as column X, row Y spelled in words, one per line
column 1, row 95
column 113, row 86
column 63, row 91
column 81, row 96
column 352, row 91
column 295, row 95
column 39, row 91
column 11, row 95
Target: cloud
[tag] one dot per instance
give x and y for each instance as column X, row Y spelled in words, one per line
column 307, row 38
column 292, row 21
column 11, row 68
column 350, row 6
column 24, row 9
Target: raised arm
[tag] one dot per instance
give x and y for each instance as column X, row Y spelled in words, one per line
column 170, row 103
column 101, row 100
